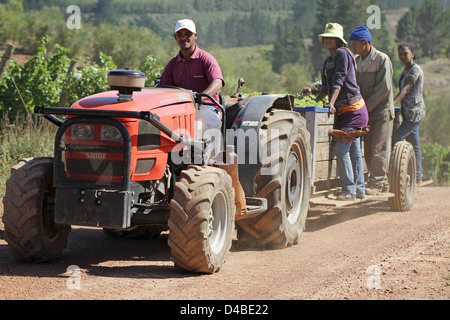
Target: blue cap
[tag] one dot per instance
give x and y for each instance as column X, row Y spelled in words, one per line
column 361, row 33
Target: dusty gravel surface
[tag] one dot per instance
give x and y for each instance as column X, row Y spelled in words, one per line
column 357, row 252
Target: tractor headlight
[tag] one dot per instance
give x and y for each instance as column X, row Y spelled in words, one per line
column 83, row 132
column 110, row 134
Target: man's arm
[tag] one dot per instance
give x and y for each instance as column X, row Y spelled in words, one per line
column 213, row 88
column 313, row 88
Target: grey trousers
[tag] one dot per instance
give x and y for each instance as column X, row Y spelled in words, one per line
column 377, row 148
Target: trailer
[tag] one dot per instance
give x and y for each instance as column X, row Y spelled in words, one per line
column 324, row 172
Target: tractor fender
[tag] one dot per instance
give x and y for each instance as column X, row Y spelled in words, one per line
column 245, row 130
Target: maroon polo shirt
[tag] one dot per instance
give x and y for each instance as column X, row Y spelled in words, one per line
column 196, row 73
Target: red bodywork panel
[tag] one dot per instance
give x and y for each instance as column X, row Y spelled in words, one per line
column 175, row 109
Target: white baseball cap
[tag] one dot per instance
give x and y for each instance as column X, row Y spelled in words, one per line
column 185, row 24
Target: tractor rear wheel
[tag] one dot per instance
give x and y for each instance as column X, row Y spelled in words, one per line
column 29, row 205
column 402, row 176
column 201, row 220
column 283, row 179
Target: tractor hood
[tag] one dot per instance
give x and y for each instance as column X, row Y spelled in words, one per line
column 149, row 99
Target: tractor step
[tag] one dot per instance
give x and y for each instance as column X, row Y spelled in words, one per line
column 254, row 207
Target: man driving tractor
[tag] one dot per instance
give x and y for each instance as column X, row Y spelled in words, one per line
column 197, row 70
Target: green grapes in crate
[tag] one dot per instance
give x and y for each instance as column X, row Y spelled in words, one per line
column 299, row 100
column 309, row 101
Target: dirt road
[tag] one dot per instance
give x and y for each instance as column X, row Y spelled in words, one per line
column 364, row 252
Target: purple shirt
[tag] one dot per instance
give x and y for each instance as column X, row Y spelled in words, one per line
column 339, row 72
column 196, row 73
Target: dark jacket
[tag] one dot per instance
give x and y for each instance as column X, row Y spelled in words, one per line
column 339, row 72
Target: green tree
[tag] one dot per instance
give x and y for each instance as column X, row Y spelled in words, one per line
column 432, row 27
column 104, row 11
column 426, row 28
column 406, row 27
column 303, row 15
column 12, row 19
column 288, row 48
column 132, row 47
column 278, row 49
column 350, row 14
column 326, row 10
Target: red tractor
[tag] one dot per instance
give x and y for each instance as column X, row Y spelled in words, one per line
column 134, row 159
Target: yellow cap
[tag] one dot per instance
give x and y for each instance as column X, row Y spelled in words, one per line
column 333, row 30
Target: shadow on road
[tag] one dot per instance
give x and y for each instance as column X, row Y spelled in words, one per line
column 108, row 256
column 103, row 256
column 321, row 217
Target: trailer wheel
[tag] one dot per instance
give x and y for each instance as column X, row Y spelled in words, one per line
column 29, row 205
column 201, row 220
column 283, row 179
column 402, row 176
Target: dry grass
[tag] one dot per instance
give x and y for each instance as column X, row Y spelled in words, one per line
column 23, row 138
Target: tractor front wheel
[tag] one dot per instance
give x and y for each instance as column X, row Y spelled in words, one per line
column 201, row 220
column 29, row 205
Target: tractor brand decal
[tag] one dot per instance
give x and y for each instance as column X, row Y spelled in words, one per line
column 96, row 155
column 250, row 123
column 180, row 96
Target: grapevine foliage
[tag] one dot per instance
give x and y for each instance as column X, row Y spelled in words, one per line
column 41, row 81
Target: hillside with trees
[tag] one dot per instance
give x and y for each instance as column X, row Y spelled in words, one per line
column 221, row 23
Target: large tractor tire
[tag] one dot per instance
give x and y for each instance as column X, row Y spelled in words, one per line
column 402, row 176
column 283, row 179
column 28, row 216
column 201, row 221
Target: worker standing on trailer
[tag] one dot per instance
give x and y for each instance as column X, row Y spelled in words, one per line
column 197, row 70
column 374, row 77
column 412, row 103
column 339, row 83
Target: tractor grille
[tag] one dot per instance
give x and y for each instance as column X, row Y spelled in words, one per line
column 88, row 167
column 101, row 166
column 92, row 153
